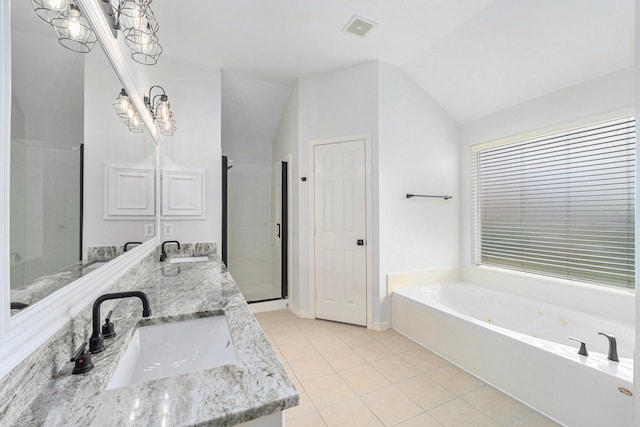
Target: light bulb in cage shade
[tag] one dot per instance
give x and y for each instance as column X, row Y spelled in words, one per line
column 76, row 30
column 121, row 104
column 131, row 14
column 137, row 15
column 136, row 124
column 47, row 10
column 144, row 46
column 146, row 43
column 162, row 108
column 58, row 5
column 73, row 30
column 168, row 126
column 131, row 112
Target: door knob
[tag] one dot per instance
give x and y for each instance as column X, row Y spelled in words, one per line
column 360, row 242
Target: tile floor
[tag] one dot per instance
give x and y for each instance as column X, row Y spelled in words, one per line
column 351, row 376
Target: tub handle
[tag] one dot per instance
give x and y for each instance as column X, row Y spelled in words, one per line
column 613, row 348
column 583, row 346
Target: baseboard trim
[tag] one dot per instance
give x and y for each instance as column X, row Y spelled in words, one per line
column 380, row 326
column 302, row 314
column 260, row 307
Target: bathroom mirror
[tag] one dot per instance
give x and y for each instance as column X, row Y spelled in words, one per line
column 65, row 141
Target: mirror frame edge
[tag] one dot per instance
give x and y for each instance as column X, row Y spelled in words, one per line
column 5, row 160
column 23, row 333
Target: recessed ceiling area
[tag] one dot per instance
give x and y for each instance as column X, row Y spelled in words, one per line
column 474, row 57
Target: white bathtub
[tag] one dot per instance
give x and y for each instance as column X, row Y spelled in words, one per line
column 521, row 346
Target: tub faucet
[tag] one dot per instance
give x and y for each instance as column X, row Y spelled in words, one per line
column 583, row 346
column 163, row 256
column 96, row 343
column 613, row 348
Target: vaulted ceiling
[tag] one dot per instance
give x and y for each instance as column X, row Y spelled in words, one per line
column 475, row 57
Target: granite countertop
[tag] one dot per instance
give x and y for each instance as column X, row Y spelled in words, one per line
column 257, row 385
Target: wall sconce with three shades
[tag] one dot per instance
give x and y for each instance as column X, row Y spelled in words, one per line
column 158, row 106
column 134, row 17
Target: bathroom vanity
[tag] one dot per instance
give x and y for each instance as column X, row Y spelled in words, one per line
column 254, row 389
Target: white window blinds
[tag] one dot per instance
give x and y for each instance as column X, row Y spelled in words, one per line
column 561, row 205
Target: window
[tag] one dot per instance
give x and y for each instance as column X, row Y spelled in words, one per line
column 560, row 205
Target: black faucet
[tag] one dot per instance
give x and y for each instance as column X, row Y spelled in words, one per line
column 583, row 346
column 163, row 256
column 96, row 343
column 613, row 347
column 82, row 359
column 18, row 305
column 126, row 245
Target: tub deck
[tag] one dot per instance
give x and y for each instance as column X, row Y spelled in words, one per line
column 550, row 377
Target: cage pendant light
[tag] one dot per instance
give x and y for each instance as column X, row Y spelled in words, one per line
column 135, row 124
column 121, row 104
column 137, row 14
column 140, row 29
column 73, row 30
column 167, row 127
column 144, row 46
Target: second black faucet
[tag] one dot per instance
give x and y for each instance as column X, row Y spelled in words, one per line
column 163, row 256
column 96, row 343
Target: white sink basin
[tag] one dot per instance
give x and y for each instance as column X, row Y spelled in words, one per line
column 188, row 259
column 169, row 349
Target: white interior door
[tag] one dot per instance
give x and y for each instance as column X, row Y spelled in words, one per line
column 340, row 231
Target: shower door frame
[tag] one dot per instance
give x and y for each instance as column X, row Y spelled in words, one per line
column 285, row 224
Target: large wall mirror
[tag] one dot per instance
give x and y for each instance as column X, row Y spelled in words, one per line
column 73, row 164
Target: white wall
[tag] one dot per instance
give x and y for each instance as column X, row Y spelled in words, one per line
column 194, row 91
column 50, row 96
column 419, row 154
column 107, row 139
column 596, row 98
column 414, row 149
column 251, row 111
column 337, row 103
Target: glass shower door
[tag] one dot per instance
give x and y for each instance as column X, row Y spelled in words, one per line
column 250, row 231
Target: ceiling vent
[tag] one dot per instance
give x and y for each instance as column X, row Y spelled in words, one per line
column 358, row 26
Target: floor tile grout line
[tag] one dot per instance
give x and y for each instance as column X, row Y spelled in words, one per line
column 483, row 411
column 353, row 398
column 337, row 329
column 355, row 393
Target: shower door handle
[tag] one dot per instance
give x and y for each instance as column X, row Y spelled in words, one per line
column 278, row 232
